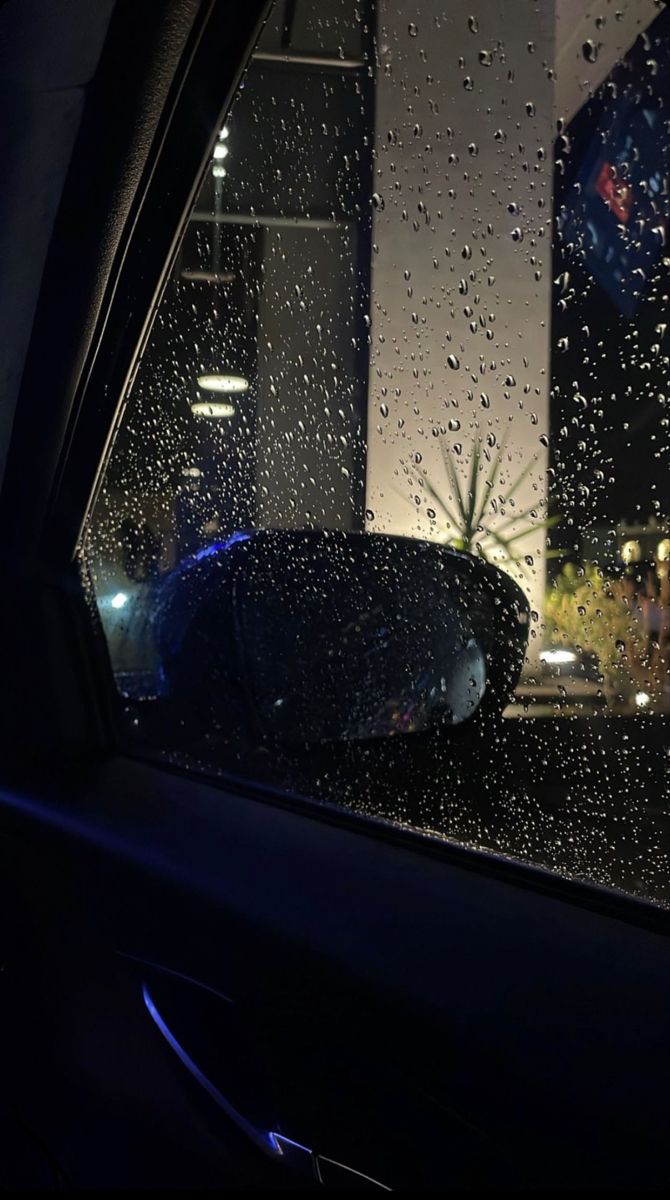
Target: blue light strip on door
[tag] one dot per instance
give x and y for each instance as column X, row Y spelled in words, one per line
column 265, row 1141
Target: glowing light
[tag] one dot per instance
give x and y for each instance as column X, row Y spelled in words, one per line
column 281, row 1143
column 233, row 540
column 556, row 655
column 218, row 172
column 663, row 550
column 119, row 600
column 223, row 133
column 642, row 699
column 221, row 151
column 264, row 1141
column 631, row 551
column 213, row 408
column 231, row 384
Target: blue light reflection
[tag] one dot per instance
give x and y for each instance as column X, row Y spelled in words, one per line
column 265, row 1141
column 208, row 551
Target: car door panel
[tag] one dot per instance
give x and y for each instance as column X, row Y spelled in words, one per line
column 395, row 1012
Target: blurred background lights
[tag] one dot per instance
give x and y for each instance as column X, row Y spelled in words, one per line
column 556, row 655
column 631, row 551
column 213, row 408
column 230, row 384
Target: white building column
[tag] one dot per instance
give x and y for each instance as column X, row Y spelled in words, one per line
column 461, row 270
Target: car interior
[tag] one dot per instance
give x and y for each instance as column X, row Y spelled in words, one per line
column 334, row 804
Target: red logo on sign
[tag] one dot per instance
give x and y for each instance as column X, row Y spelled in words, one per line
column 617, row 194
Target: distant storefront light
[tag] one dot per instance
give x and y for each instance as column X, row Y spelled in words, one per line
column 631, row 551
column 557, row 656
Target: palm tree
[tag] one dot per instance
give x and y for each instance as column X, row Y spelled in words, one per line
column 469, row 520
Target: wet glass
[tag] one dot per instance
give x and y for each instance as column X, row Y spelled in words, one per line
column 422, row 294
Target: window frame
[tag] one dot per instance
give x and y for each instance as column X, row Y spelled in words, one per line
column 182, row 73
column 179, row 158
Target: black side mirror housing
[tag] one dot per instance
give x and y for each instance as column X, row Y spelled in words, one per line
column 311, row 636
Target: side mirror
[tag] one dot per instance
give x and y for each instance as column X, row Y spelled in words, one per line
column 311, row 636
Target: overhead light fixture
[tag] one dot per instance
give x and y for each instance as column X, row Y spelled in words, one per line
column 557, row 656
column 231, row 384
column 213, row 408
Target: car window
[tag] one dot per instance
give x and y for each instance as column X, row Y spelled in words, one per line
column 385, row 518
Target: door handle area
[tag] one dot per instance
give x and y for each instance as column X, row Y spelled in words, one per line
column 335, row 1175
column 301, row 1160
column 265, row 1142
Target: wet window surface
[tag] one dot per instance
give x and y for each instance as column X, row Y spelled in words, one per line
column 385, row 522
